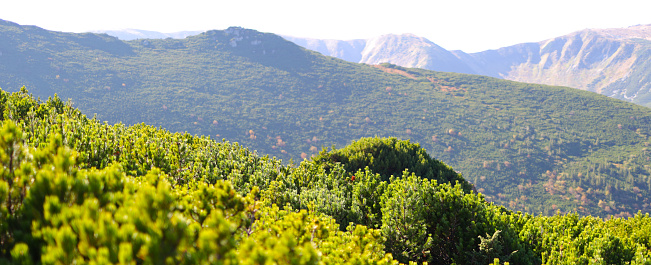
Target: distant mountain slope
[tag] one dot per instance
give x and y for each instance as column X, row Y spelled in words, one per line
column 411, row 51
column 531, row 147
column 405, row 50
column 350, row 50
column 134, row 34
column 613, row 62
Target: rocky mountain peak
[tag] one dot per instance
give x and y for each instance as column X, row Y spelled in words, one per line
column 632, row 32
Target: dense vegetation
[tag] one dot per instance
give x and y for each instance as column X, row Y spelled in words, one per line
column 76, row 190
column 534, row 148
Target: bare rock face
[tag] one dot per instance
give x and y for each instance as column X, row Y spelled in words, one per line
column 405, row 50
column 409, row 50
column 613, row 62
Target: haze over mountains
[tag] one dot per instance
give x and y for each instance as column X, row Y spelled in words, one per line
column 613, row 62
column 532, row 147
column 405, row 50
column 134, row 34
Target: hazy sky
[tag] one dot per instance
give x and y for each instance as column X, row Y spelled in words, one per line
column 468, row 25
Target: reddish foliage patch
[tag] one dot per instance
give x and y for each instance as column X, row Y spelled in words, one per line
column 394, row 71
column 443, row 87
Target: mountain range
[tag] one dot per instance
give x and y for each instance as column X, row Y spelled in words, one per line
column 405, row 50
column 532, row 147
column 612, row 62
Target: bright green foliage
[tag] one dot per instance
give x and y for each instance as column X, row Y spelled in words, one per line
column 490, row 246
column 104, row 216
column 344, row 249
column 441, row 224
column 276, row 226
column 366, row 194
column 570, row 239
column 140, row 148
column 347, row 197
column 74, row 190
column 347, row 183
column 118, row 199
column 390, row 157
column 303, row 230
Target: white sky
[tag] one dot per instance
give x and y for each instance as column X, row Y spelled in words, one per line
column 468, row 25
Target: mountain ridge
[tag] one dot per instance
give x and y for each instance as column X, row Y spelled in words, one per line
column 532, row 147
column 585, row 59
column 598, row 60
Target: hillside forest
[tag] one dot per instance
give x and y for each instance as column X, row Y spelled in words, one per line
column 531, row 148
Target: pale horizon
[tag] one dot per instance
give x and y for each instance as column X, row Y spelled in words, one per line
column 470, row 26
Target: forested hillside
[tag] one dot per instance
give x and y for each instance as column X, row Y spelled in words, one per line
column 76, row 190
column 533, row 148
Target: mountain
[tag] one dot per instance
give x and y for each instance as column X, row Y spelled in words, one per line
column 350, row 50
column 598, row 60
column 134, row 34
column 613, row 62
column 531, row 147
column 405, row 50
